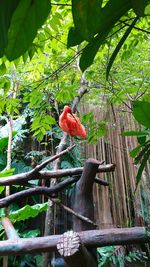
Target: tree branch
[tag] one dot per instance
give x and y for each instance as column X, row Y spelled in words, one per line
column 19, row 179
column 39, row 190
column 79, row 216
column 43, row 164
column 90, row 238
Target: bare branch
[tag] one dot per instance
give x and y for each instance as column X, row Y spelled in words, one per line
column 43, row 164
column 21, row 178
column 90, row 238
column 39, row 190
column 79, row 216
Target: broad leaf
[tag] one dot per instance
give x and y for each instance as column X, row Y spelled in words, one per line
column 3, row 143
column 7, row 8
column 134, row 151
column 142, row 153
column 2, row 188
column 74, row 37
column 7, row 173
column 109, row 15
column 141, row 112
column 118, row 47
column 30, row 234
column 90, row 51
column 136, row 133
column 27, row 18
column 86, row 17
column 28, row 212
column 139, row 7
column 142, row 166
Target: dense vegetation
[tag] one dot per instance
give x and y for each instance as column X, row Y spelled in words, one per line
column 48, row 51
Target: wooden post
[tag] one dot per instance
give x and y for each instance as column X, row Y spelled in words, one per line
column 83, row 198
column 73, row 251
column 78, row 254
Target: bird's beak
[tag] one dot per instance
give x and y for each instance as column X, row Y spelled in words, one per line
column 73, row 116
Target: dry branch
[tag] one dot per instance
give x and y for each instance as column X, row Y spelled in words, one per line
column 43, row 164
column 39, row 190
column 91, row 239
column 79, row 216
column 34, row 173
column 47, row 175
column 9, row 229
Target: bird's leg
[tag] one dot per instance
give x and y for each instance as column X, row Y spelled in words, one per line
column 70, row 140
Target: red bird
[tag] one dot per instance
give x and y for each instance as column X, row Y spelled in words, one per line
column 71, row 124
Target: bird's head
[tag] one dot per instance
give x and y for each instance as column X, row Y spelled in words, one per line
column 67, row 109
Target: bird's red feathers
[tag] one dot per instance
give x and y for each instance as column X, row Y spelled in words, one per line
column 71, row 124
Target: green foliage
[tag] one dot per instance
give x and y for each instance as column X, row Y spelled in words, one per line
column 5, row 174
column 25, row 213
column 6, row 13
column 139, row 7
column 101, row 23
column 141, row 153
column 41, row 125
column 95, row 129
column 86, row 15
column 20, row 25
column 141, row 112
column 109, row 254
column 119, row 45
column 30, row 234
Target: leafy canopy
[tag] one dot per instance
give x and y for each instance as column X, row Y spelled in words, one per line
column 93, row 21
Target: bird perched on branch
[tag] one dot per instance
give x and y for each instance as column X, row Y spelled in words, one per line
column 71, row 124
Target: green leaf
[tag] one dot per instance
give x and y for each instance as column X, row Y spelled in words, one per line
column 139, row 7
column 7, row 8
column 90, row 51
column 2, row 188
column 86, row 17
column 141, row 154
column 3, row 143
column 134, row 151
column 142, row 166
column 27, row 18
column 119, row 45
column 3, row 69
column 7, row 173
column 30, row 234
column 141, row 112
column 136, row 133
column 28, row 212
column 74, row 38
column 141, row 140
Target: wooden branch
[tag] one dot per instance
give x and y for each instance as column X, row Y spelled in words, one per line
column 24, row 177
column 73, row 251
column 83, row 198
column 9, row 229
column 43, row 164
column 91, row 239
column 39, row 190
column 83, row 202
column 34, row 173
column 81, row 217
column 100, row 181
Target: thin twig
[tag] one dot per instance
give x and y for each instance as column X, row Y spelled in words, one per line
column 83, row 218
column 43, row 164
